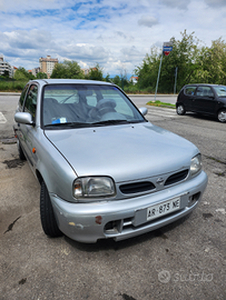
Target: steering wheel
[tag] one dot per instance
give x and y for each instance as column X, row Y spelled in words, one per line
column 105, row 106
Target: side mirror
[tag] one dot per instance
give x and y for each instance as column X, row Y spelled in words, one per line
column 143, row 110
column 24, row 118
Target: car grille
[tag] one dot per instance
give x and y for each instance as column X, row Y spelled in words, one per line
column 148, row 186
column 176, row 177
column 137, row 187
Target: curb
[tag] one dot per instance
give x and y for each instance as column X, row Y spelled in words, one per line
column 9, row 94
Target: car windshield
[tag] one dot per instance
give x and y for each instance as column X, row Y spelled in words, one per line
column 79, row 105
column 220, row 90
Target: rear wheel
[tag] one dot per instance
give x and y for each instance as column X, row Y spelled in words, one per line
column 181, row 109
column 221, row 115
column 48, row 219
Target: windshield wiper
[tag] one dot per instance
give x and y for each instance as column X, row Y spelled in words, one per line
column 68, row 125
column 82, row 124
column 115, row 122
column 111, row 122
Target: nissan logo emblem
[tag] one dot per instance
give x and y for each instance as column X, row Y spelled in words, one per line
column 159, row 180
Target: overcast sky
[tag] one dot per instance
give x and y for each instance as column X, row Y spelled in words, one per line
column 117, row 34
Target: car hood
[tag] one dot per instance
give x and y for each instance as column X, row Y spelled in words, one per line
column 124, row 152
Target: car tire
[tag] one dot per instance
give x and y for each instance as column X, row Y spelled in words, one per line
column 20, row 151
column 48, row 219
column 181, row 109
column 221, row 115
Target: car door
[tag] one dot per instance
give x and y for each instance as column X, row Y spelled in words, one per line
column 188, row 98
column 27, row 132
column 204, row 100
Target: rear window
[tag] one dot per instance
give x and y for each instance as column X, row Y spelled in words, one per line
column 220, row 90
column 190, row 90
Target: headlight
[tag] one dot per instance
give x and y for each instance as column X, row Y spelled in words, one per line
column 196, row 164
column 93, row 187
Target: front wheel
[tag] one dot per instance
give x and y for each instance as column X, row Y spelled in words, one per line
column 181, row 109
column 48, row 219
column 221, row 116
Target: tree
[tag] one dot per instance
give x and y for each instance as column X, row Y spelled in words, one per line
column 184, row 56
column 147, row 72
column 67, row 69
column 95, row 73
column 212, row 64
column 116, row 80
column 22, row 74
column 107, row 78
column 121, row 80
column 41, row 75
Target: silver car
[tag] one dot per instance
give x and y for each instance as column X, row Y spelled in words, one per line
column 104, row 170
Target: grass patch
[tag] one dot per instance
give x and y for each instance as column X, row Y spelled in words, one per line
column 161, row 104
column 12, row 86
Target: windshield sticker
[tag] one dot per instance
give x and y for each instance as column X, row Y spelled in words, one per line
column 60, row 120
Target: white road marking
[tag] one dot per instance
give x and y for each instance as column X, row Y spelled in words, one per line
column 2, row 118
column 162, row 112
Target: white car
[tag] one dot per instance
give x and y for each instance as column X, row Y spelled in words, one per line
column 104, row 170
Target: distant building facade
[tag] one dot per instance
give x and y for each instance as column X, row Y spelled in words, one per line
column 85, row 71
column 5, row 67
column 35, row 71
column 47, row 64
column 134, row 79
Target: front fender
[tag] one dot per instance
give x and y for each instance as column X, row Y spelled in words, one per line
column 54, row 169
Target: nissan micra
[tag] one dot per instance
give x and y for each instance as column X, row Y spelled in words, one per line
column 104, row 170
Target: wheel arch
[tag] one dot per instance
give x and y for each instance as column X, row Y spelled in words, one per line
column 218, row 111
column 39, row 177
column 180, row 103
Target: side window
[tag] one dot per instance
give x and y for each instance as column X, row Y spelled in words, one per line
column 204, row 91
column 31, row 100
column 190, row 90
column 22, row 96
column 200, row 91
column 207, row 92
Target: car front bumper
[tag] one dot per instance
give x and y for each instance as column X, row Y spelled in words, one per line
column 122, row 219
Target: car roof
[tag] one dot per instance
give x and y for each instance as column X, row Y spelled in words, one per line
column 203, row 84
column 69, row 81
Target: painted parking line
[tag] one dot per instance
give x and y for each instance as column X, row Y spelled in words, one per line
column 2, row 118
column 162, row 112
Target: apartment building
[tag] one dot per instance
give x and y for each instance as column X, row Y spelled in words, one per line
column 35, row 71
column 5, row 67
column 47, row 64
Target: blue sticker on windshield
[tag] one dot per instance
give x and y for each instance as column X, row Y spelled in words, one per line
column 59, row 120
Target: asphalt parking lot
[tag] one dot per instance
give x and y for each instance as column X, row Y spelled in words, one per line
column 186, row 260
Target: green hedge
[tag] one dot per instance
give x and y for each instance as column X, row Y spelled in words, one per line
column 12, row 86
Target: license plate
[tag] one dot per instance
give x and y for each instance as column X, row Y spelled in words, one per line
column 162, row 209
